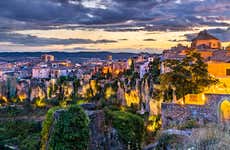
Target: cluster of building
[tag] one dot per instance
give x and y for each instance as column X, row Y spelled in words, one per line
column 50, row 68
column 47, row 67
column 209, row 47
column 213, row 105
column 139, row 62
column 35, row 78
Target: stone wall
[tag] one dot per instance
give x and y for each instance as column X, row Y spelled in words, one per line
column 175, row 114
column 97, row 122
column 102, row 136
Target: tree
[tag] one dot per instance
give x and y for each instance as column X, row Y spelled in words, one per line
column 76, row 85
column 130, row 127
column 154, row 70
column 66, row 129
column 188, row 76
column 131, row 69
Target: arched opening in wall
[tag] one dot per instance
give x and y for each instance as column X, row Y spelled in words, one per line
column 224, row 111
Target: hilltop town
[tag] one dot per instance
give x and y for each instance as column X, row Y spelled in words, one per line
column 183, row 89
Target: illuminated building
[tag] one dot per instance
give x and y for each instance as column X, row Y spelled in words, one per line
column 47, row 58
column 40, row 72
column 205, row 41
column 110, row 58
column 115, row 68
column 60, row 63
column 218, row 65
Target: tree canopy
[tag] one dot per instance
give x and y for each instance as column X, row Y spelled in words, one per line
column 186, row 76
column 67, row 129
column 130, row 127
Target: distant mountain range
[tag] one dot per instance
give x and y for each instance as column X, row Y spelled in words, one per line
column 74, row 57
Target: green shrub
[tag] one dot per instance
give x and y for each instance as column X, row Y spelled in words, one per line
column 113, row 107
column 10, row 111
column 82, row 101
column 153, row 125
column 19, row 133
column 130, row 127
column 69, row 131
column 46, row 125
column 31, row 142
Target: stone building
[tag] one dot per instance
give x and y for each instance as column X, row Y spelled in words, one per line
column 205, row 41
column 207, row 106
column 41, row 72
column 47, row 58
column 114, row 68
column 209, row 47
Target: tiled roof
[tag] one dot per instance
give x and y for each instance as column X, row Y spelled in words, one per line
column 221, row 56
column 204, row 35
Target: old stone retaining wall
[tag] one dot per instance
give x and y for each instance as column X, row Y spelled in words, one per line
column 175, row 114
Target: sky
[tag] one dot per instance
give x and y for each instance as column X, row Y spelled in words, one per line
column 109, row 25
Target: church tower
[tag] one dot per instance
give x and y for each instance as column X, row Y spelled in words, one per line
column 205, row 41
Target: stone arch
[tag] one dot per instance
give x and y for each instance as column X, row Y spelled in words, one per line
column 223, row 110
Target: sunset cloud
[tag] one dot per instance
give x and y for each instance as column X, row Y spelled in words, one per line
column 29, row 40
column 110, row 16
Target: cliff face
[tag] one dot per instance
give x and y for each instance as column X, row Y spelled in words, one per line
column 102, row 136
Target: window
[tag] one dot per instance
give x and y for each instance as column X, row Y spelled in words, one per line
column 210, row 44
column 228, row 72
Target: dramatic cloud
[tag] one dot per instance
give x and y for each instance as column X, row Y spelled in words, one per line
column 158, row 13
column 110, row 16
column 29, row 40
column 222, row 34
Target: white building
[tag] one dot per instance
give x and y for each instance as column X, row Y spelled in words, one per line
column 4, row 72
column 61, row 72
column 56, row 72
column 40, row 73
